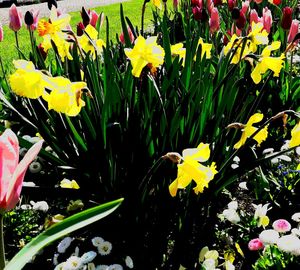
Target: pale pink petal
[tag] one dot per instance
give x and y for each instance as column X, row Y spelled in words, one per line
column 15, row 185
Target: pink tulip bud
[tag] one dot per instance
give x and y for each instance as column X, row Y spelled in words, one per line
column 267, row 19
column 231, row 4
column 93, row 17
column 1, row 33
column 35, row 14
column 131, row 36
column 281, row 225
column 254, row 16
column 175, row 4
column 15, row 18
column 293, row 31
column 255, row 244
column 214, row 21
column 245, row 7
column 12, row 172
column 287, row 18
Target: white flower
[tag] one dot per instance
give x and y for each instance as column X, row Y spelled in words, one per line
column 91, row 266
column 296, row 217
column 73, row 263
column 268, row 151
column 233, row 205
column 115, row 267
column 231, row 215
column 129, row 262
column 76, row 252
column 234, row 166
column 55, row 261
column 25, row 206
column 269, row 237
column 261, row 210
column 97, row 241
column 229, row 266
column 102, row 267
column 243, row 185
column 297, row 150
column 295, row 232
column 40, row 206
column 35, row 167
column 64, row 244
column 209, row 264
column 104, row 248
column 28, row 184
column 236, row 159
column 60, row 266
column 290, row 244
column 88, row 257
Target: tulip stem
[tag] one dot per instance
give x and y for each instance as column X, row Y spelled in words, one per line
column 2, row 250
column 17, row 43
column 143, row 17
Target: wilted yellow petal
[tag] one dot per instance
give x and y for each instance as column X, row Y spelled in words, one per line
column 239, row 250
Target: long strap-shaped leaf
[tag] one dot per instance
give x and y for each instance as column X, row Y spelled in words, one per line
column 60, row 229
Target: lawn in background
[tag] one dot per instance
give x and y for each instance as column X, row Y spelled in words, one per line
column 132, row 10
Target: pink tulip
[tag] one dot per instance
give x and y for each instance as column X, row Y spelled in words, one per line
column 15, row 18
column 245, row 7
column 11, row 171
column 293, row 31
column 35, row 14
column 258, row 1
column 254, row 17
column 214, row 21
column 209, row 6
column 267, row 19
column 231, row 4
column 1, row 33
column 93, row 17
column 255, row 244
column 131, row 36
column 281, row 225
column 175, row 4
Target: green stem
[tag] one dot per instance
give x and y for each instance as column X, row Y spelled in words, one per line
column 2, row 250
column 143, row 16
column 17, row 43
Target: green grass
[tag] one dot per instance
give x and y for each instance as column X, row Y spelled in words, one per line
column 132, row 9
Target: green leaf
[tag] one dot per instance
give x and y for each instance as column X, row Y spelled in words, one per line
column 60, row 229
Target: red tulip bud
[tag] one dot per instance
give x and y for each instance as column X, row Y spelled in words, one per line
column 287, row 18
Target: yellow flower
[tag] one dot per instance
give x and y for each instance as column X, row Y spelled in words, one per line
column 267, row 62
column 178, row 50
column 157, row 3
column 248, row 130
column 205, row 49
column 298, row 167
column 66, row 183
column 261, row 215
column 91, row 43
column 66, row 96
column 27, row 81
column 144, row 52
column 190, row 169
column 295, row 140
column 257, row 36
column 52, row 30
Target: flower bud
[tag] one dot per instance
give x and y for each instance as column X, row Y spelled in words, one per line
column 217, row 3
column 52, row 3
column 85, row 17
column 28, row 18
column 287, row 18
column 293, row 31
column 267, row 19
column 93, row 17
column 80, row 28
column 214, row 22
column 1, row 33
column 231, row 4
column 255, row 244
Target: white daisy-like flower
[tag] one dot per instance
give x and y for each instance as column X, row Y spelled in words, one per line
column 55, row 259
column 269, row 237
column 115, row 267
column 40, row 206
column 97, row 241
column 295, row 232
column 88, row 257
column 73, row 263
column 102, row 267
column 289, row 244
column 296, row 217
column 104, row 248
column 64, row 244
column 129, row 262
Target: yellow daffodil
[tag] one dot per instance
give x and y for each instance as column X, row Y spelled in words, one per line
column 248, row 130
column 52, row 30
column 178, row 50
column 242, row 46
column 145, row 52
column 205, row 49
column 190, row 169
column 157, row 3
column 267, row 62
column 66, row 96
column 66, row 183
column 257, row 36
column 295, row 140
column 27, row 81
column 261, row 215
column 91, row 43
